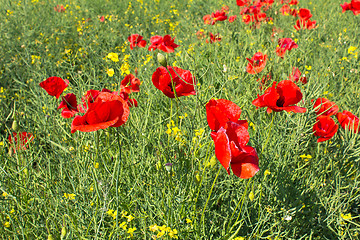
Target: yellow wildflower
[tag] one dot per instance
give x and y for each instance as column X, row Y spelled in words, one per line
column 131, row 231
column 70, row 196
column 110, row 72
column 113, row 57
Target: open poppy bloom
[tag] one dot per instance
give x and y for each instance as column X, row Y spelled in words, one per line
column 54, row 86
column 304, row 14
column 181, row 82
column 353, row 6
column 285, row 44
column 348, row 120
column 221, row 111
column 59, row 8
column 136, row 41
column 214, row 38
column 69, row 105
column 232, row 18
column 284, row 96
column 257, row 63
column 165, row 43
column 130, row 84
column 305, row 24
column 19, row 140
column 295, row 76
column 231, row 149
column 324, row 107
column 325, row 128
column 107, row 110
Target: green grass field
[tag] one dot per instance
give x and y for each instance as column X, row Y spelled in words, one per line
column 113, row 183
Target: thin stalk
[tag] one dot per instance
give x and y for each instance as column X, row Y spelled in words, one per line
column 207, row 201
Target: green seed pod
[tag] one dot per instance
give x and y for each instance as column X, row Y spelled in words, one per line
column 15, row 126
column 162, row 60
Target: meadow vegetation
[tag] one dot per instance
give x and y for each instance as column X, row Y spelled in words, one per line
column 157, row 176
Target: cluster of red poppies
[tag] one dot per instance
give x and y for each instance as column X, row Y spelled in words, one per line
column 285, row 44
column 304, row 21
column 102, row 109
column 254, row 11
column 325, row 127
column 165, row 43
column 231, row 137
column 353, row 6
column 286, row 9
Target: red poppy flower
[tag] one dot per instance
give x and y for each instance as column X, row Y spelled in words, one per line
column 256, row 63
column 136, row 41
column 69, row 104
column 264, row 80
column 225, row 9
column 247, row 18
column 59, row 8
column 294, row 2
column 165, row 43
column 324, row 107
column 348, row 120
column 200, row 34
column 353, row 6
column 285, row 9
column 232, row 18
column 281, row 97
column 285, row 44
column 231, row 149
column 208, row 20
column 221, row 111
column 130, row 84
column 325, row 128
column 102, row 19
column 108, row 110
column 54, row 86
column 214, row 38
column 218, row 16
column 295, row 76
column 304, row 14
column 242, row 3
column 181, row 80
column 305, row 24
column 19, row 140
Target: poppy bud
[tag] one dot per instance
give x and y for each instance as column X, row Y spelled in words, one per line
column 15, row 126
column 162, row 60
column 50, row 237
column 168, row 167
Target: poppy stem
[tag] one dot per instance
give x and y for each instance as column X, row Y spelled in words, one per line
column 267, row 140
column 207, row 201
column 242, row 203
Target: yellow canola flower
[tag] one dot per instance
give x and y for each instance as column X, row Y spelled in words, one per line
column 346, row 216
column 131, row 231
column 70, row 196
column 351, row 50
column 154, row 228
column 110, row 72
column 113, row 57
column 7, row 224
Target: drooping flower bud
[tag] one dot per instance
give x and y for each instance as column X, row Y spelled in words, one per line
column 162, row 60
column 15, row 126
